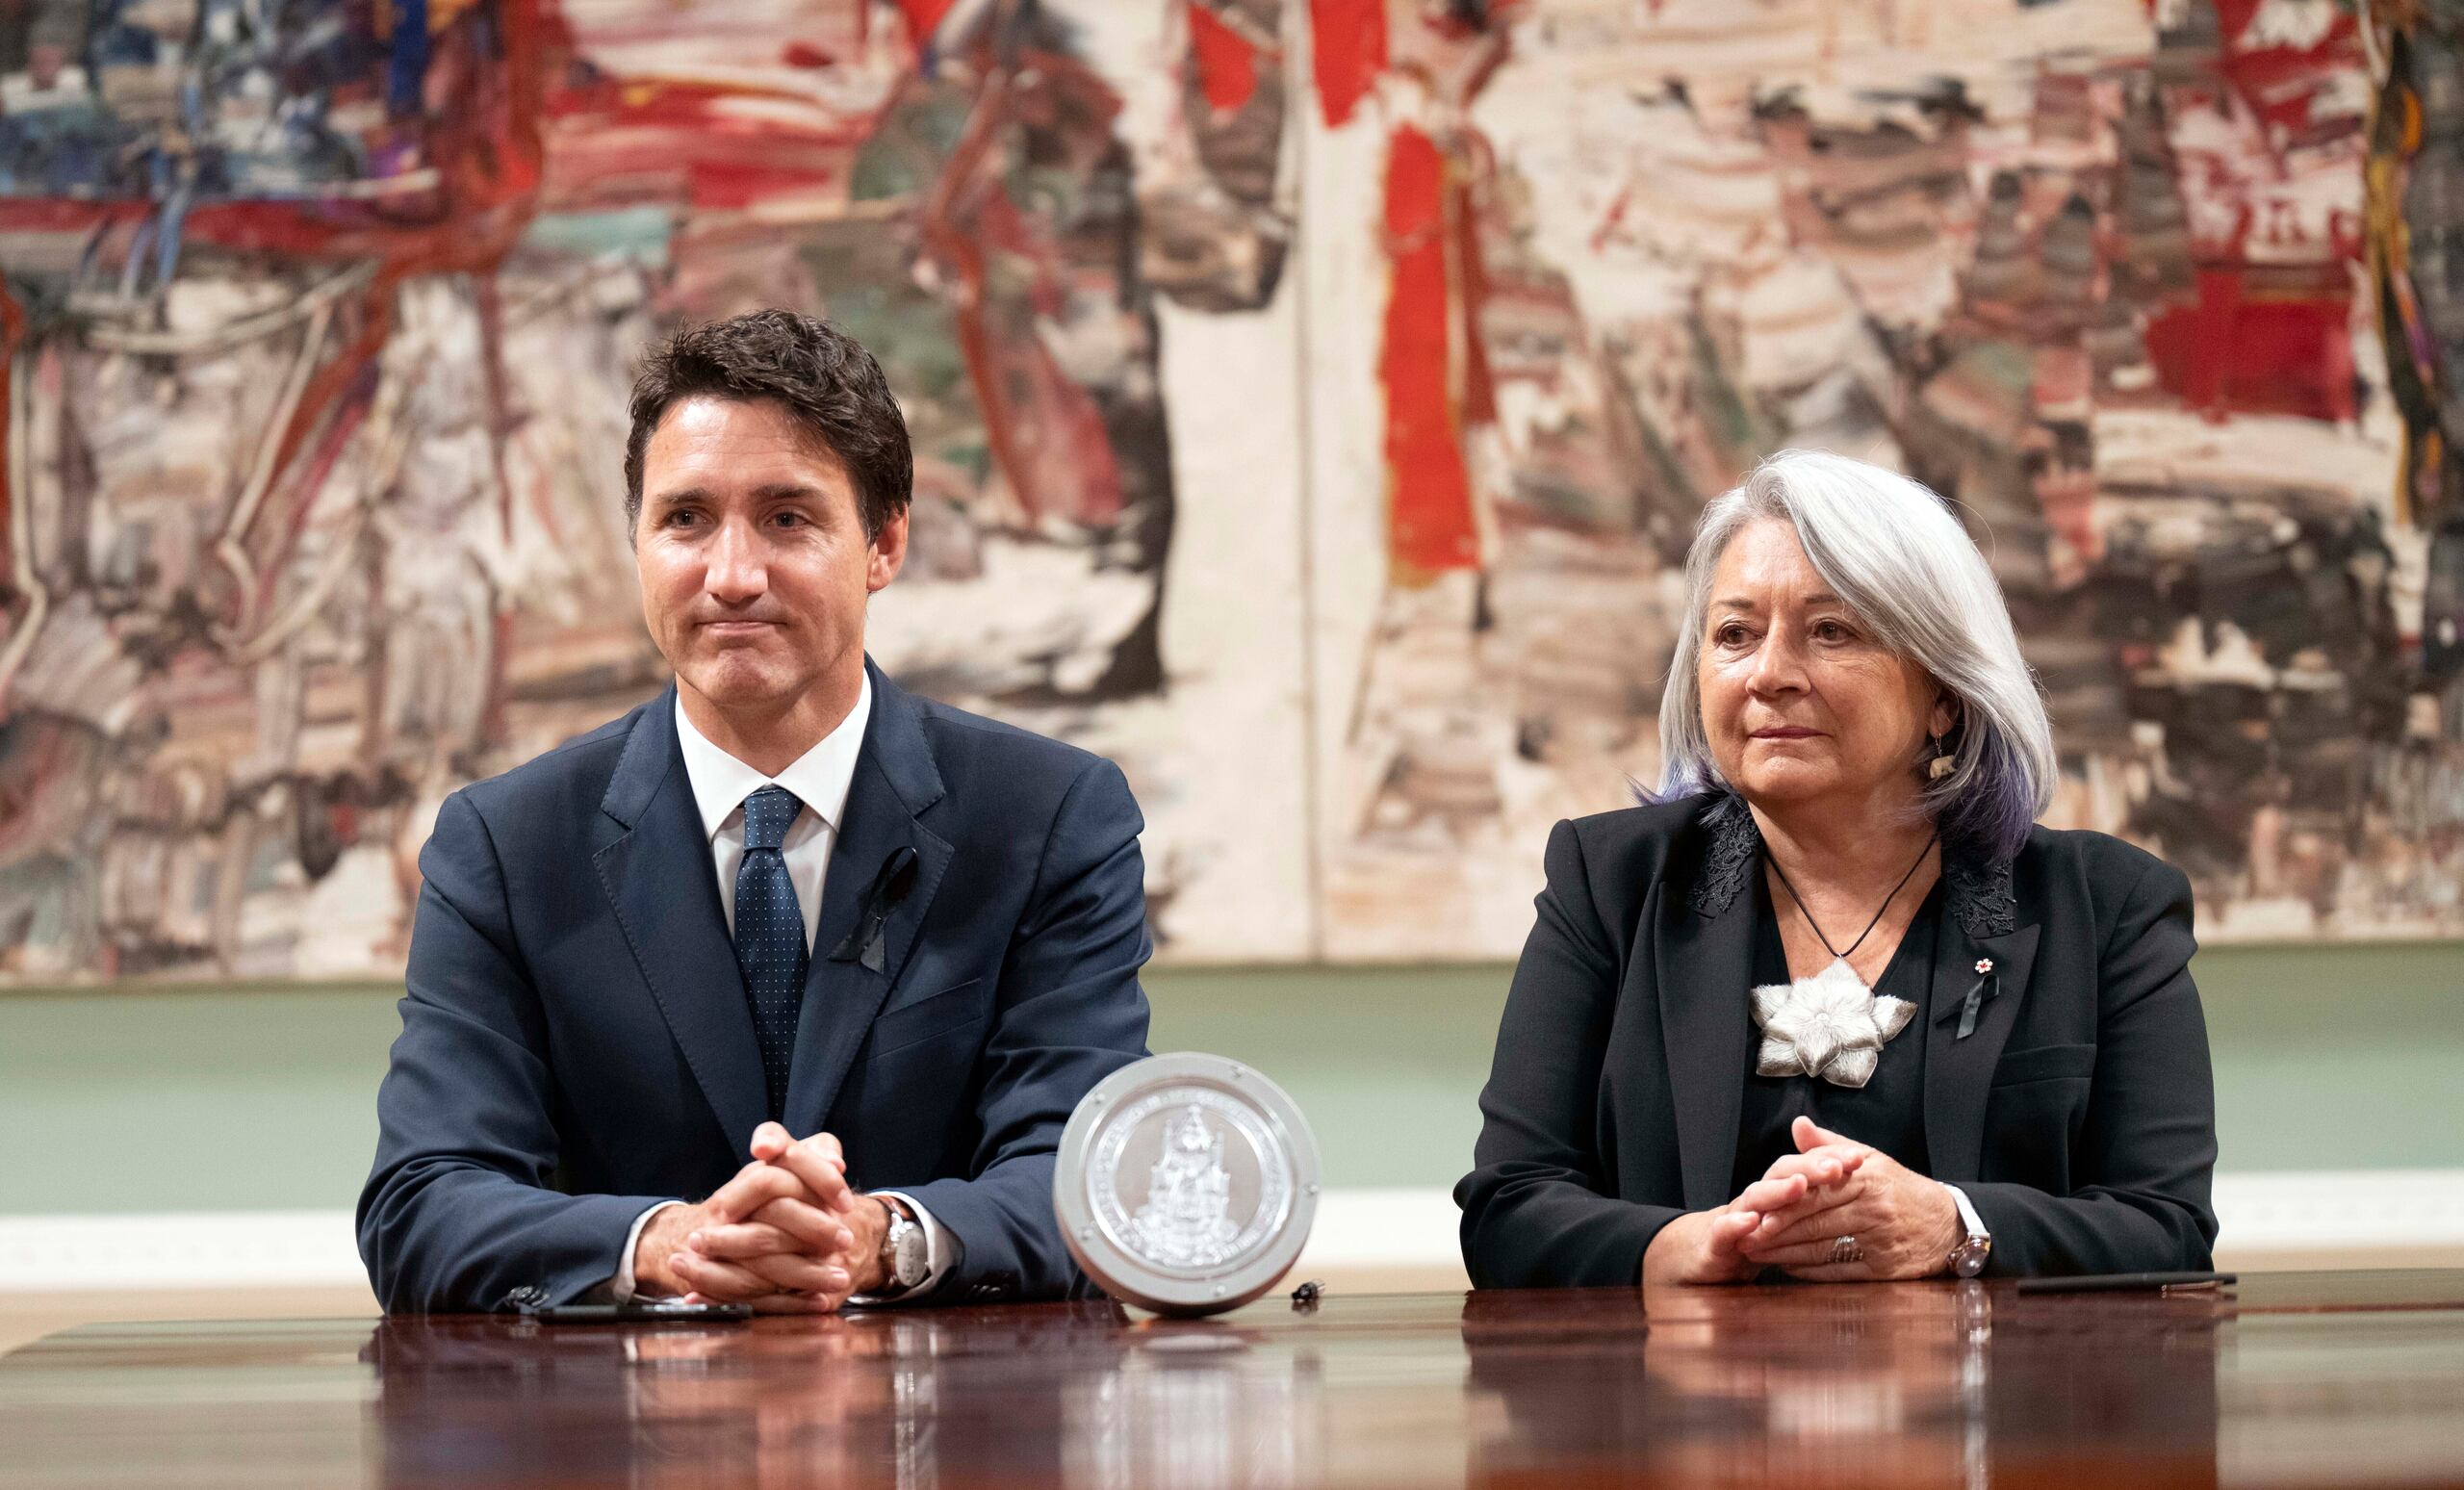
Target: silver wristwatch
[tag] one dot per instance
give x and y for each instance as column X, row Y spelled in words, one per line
column 904, row 1260
column 1968, row 1257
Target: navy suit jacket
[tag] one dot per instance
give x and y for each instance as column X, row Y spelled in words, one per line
column 576, row 1045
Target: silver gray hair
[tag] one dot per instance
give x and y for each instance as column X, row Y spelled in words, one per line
column 1895, row 554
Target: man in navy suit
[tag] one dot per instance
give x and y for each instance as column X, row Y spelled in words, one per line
column 780, row 988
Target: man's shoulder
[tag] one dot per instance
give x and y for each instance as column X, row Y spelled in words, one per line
column 978, row 747
column 575, row 773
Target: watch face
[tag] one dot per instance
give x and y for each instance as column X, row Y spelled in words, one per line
column 1968, row 1259
column 907, row 1262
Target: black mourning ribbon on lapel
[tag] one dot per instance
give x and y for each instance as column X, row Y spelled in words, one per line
column 866, row 944
column 1987, row 985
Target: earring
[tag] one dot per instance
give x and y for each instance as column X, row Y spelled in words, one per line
column 1942, row 764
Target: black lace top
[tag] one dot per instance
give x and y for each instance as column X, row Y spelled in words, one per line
column 1886, row 1112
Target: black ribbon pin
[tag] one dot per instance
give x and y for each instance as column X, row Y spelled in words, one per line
column 1987, row 987
column 866, row 945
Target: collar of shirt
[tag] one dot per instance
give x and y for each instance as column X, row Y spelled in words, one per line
column 819, row 777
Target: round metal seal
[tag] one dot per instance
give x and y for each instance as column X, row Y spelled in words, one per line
column 1185, row 1183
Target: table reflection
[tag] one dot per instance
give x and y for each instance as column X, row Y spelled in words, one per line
column 1082, row 1397
column 1840, row 1386
column 1938, row 1386
column 2301, row 1379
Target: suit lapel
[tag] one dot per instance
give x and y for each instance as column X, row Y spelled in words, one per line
column 1958, row 1072
column 1704, row 958
column 895, row 782
column 659, row 878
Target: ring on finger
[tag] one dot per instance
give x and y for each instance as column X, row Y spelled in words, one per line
column 1844, row 1250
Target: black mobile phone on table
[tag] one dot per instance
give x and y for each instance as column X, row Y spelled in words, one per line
column 640, row 1311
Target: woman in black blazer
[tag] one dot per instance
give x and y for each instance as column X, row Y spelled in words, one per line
column 1835, row 1005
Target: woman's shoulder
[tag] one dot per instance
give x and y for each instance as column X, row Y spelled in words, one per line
column 1635, row 843
column 2102, row 853
column 2114, row 873
column 1646, row 822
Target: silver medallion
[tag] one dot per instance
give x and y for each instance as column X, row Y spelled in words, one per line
column 1186, row 1184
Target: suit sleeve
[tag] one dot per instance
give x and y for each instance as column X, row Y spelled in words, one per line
column 460, row 1211
column 1068, row 1012
column 2143, row 1164
column 1538, row 1212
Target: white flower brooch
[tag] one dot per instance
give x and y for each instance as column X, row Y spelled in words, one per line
column 1830, row 1025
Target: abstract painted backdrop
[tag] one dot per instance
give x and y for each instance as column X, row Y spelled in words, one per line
column 1312, row 401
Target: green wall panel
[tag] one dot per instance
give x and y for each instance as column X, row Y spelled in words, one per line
column 263, row 1099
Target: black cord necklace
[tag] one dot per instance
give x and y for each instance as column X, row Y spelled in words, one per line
column 1800, row 900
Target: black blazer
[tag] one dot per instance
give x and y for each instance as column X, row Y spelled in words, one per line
column 2079, row 1116
column 576, row 1044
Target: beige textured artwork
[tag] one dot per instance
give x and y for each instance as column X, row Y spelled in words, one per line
column 1312, row 400
column 2156, row 292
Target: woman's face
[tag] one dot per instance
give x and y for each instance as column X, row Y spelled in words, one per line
column 1802, row 704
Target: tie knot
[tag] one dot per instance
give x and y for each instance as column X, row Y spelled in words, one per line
column 767, row 816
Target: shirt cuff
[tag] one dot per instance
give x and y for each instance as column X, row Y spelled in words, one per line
column 620, row 1287
column 942, row 1251
column 1970, row 1224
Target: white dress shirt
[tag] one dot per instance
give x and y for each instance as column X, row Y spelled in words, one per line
column 820, row 778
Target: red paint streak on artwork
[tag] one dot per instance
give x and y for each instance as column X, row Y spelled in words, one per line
column 2279, row 82
column 1471, row 269
column 1053, row 448
column 622, row 142
column 1228, row 65
column 68, row 214
column 1044, row 432
column 330, row 407
column 302, row 486
column 924, row 17
column 1351, row 43
column 2233, row 19
column 1429, row 525
column 2233, row 353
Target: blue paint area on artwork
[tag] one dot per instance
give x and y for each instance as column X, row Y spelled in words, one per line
column 239, row 106
column 407, row 69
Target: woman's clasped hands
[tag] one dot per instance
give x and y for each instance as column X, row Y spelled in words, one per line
column 1895, row 1222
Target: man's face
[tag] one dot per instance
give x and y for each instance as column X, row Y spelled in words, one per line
column 753, row 562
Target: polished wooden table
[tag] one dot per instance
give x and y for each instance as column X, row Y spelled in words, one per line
column 2293, row 1379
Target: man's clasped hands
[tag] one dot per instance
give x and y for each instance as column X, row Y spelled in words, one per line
column 787, row 1235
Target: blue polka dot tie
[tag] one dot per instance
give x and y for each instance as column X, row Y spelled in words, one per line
column 770, row 936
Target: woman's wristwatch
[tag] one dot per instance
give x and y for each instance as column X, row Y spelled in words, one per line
column 1967, row 1256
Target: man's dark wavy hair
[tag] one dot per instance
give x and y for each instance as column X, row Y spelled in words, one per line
column 829, row 383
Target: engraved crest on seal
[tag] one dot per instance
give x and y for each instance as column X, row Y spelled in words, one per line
column 1185, row 1183
column 1187, row 1178
column 1185, row 1221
